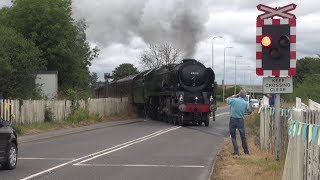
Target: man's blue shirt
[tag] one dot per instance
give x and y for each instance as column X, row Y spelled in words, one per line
column 238, row 107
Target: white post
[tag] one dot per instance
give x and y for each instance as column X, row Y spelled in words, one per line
column 277, row 127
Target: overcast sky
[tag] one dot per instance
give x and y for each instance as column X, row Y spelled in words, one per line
column 122, row 29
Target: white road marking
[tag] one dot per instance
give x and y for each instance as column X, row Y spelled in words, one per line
column 60, row 159
column 127, row 145
column 105, row 150
column 221, row 114
column 138, row 165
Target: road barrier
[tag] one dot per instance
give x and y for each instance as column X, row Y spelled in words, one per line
column 31, row 111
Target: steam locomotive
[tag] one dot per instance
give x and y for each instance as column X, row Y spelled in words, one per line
column 176, row 93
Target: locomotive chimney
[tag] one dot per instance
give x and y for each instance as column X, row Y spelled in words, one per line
column 188, row 60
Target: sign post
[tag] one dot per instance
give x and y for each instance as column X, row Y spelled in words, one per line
column 276, row 56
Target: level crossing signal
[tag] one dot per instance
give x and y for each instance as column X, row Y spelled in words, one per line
column 276, row 42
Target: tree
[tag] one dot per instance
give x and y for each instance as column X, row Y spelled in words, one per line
column 308, row 89
column 124, row 70
column 306, row 66
column 93, row 79
column 20, row 60
column 158, row 55
column 61, row 40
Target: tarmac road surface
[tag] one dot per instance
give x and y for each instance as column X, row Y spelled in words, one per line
column 140, row 150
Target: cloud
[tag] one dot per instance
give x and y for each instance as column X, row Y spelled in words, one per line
column 5, row 3
column 123, row 29
column 174, row 21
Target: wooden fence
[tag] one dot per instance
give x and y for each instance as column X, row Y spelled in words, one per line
column 267, row 125
column 300, row 141
column 31, row 111
column 303, row 155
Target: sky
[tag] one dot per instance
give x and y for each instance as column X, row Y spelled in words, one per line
column 123, row 29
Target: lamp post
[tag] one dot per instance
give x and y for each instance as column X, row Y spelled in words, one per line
column 224, row 70
column 213, row 49
column 235, row 74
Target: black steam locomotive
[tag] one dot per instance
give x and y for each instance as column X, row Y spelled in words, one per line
column 176, row 93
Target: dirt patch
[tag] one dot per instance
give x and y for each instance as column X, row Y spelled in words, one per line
column 259, row 165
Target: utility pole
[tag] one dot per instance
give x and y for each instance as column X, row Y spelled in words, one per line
column 224, row 71
column 212, row 65
column 235, row 74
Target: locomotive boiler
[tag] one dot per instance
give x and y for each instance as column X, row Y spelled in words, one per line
column 176, row 93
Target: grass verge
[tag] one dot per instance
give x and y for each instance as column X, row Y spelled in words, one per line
column 259, row 165
column 221, row 104
column 79, row 118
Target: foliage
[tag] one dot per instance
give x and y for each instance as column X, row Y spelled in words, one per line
column 93, row 79
column 19, row 61
column 48, row 115
column 61, row 40
column 228, row 92
column 308, row 89
column 306, row 80
column 158, row 55
column 78, row 116
column 306, row 66
column 124, row 70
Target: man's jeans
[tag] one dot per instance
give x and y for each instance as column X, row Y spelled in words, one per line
column 234, row 124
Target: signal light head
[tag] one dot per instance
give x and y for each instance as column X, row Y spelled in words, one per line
column 266, row 41
column 275, row 53
column 284, row 41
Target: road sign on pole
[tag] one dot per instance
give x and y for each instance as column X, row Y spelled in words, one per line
column 276, row 55
column 277, row 85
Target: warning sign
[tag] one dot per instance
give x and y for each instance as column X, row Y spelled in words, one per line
column 277, row 85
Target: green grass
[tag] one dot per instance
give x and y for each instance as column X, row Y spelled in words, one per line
column 253, row 123
column 221, row 104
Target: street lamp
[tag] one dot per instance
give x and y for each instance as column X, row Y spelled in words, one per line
column 235, row 74
column 213, row 49
column 224, row 69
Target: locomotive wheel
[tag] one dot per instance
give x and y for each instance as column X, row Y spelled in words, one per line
column 199, row 123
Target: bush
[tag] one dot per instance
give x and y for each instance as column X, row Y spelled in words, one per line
column 78, row 115
column 18, row 128
column 308, row 89
column 48, row 115
column 253, row 123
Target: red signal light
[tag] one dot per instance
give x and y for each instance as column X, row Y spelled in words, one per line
column 266, row 41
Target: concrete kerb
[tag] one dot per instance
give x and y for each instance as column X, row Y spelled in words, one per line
column 68, row 131
column 212, row 166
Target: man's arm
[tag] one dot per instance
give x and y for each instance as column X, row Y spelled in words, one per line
column 233, row 96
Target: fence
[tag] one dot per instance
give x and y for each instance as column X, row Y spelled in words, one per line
column 31, row 111
column 267, row 123
column 300, row 141
column 303, row 155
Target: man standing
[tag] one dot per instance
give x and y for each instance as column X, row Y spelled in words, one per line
column 238, row 106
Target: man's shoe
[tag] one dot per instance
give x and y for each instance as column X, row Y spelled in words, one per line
column 234, row 154
column 247, row 153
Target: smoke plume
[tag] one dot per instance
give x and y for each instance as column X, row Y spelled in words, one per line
column 178, row 22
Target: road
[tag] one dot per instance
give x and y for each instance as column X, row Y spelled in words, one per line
column 143, row 150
